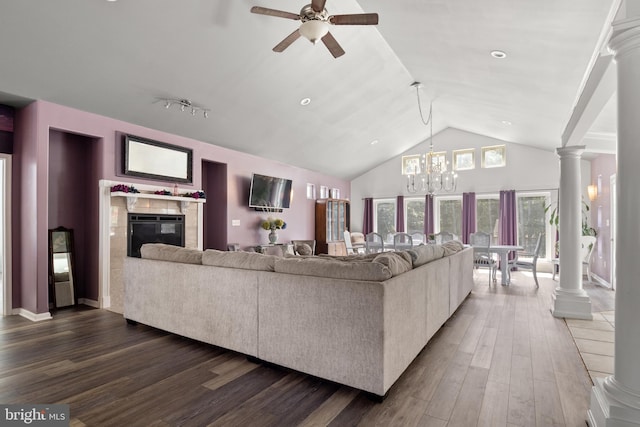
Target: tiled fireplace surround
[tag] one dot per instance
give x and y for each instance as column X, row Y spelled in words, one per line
column 115, row 208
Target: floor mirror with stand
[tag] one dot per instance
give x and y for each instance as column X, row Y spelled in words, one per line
column 61, row 268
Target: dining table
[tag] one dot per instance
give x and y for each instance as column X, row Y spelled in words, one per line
column 503, row 252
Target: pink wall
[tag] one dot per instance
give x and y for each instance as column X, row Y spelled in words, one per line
column 32, row 176
column 603, row 166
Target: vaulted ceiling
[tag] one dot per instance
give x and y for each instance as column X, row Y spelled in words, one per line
column 118, row 58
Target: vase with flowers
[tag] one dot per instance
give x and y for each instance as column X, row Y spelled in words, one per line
column 273, row 224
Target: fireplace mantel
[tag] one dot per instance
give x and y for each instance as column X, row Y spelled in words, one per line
column 132, row 198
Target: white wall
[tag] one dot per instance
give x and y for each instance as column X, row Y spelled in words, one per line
column 527, row 168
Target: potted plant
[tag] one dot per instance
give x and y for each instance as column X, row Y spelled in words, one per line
column 273, row 224
column 587, row 230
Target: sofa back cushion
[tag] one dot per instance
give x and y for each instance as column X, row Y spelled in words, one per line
column 164, row 252
column 242, row 260
column 397, row 262
column 452, row 246
column 326, row 267
column 422, row 254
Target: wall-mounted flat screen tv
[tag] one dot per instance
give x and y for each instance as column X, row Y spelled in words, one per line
column 269, row 192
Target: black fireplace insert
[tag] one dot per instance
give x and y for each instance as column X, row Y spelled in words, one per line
column 153, row 228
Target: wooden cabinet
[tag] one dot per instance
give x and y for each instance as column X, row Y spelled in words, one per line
column 332, row 220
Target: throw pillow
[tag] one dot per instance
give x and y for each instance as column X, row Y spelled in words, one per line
column 303, row 249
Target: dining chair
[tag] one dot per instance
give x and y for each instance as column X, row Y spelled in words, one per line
column 418, row 238
column 354, row 242
column 352, row 248
column 528, row 265
column 374, row 243
column 402, row 241
column 482, row 258
column 587, row 243
column 444, row 236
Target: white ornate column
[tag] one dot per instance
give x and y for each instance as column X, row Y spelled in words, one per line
column 569, row 299
column 615, row 400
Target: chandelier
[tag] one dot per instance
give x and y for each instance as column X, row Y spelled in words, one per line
column 432, row 174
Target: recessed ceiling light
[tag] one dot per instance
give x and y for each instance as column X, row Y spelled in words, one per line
column 305, row 101
column 374, row 142
column 506, row 122
column 498, row 54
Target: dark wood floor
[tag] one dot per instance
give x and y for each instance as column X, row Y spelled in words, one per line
column 502, row 359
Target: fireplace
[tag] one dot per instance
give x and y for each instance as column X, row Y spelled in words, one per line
column 153, row 228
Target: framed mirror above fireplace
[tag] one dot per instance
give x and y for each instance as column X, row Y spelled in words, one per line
column 145, row 158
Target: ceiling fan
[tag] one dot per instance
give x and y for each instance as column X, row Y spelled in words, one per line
column 315, row 24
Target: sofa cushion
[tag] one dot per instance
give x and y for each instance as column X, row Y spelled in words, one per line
column 397, row 262
column 422, row 254
column 325, row 267
column 242, row 260
column 350, row 258
column 452, row 246
column 164, row 252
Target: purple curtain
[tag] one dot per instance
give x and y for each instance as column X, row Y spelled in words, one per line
column 468, row 215
column 428, row 215
column 367, row 222
column 508, row 234
column 400, row 215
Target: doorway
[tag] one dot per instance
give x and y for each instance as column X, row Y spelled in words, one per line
column 214, row 184
column 5, row 235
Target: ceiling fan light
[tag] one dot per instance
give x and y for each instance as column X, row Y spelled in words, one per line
column 314, row 30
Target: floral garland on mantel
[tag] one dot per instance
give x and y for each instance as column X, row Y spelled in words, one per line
column 131, row 189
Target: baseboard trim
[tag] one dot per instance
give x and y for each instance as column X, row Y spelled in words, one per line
column 34, row 317
column 89, row 302
column 599, row 280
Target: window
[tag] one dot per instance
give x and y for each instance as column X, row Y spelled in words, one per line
column 494, row 157
column 311, row 191
column 414, row 215
column 464, row 159
column 532, row 221
column 384, row 216
column 488, row 215
column 448, row 215
column 439, row 159
column 411, row 164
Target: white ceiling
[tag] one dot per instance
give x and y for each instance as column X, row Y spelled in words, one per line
column 116, row 58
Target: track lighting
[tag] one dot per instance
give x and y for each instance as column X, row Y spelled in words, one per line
column 185, row 104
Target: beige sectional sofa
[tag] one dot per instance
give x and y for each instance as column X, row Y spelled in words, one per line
column 357, row 320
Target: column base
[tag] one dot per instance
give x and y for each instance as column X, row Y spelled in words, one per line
column 571, row 304
column 612, row 405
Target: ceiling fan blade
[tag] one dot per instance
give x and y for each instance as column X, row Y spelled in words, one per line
column 318, row 5
column 273, row 12
column 287, row 41
column 332, row 45
column 356, row 19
